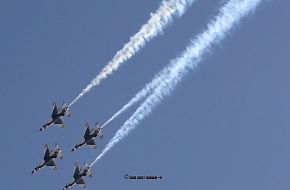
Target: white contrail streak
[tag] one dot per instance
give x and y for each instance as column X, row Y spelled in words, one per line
column 140, row 95
column 155, row 25
column 216, row 30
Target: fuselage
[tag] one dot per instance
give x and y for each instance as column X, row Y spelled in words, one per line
column 59, row 114
column 92, row 135
column 46, row 160
column 49, row 122
column 82, row 173
column 77, row 177
column 53, row 118
column 50, row 157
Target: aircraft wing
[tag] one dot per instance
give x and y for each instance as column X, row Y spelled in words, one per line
column 97, row 125
column 81, row 182
column 46, row 151
column 76, row 170
column 87, row 130
column 57, row 151
column 56, row 146
column 51, row 164
column 64, row 105
column 53, row 109
column 59, row 123
column 91, row 143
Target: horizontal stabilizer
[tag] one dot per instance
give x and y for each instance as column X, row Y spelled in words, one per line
column 91, row 143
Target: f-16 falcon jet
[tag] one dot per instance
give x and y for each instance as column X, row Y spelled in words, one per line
column 78, row 176
column 48, row 158
column 56, row 114
column 89, row 136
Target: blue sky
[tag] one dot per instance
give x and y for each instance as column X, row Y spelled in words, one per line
column 225, row 127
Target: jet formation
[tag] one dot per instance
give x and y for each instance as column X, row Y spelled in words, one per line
column 89, row 137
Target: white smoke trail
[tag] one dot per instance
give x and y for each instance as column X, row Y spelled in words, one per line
column 140, row 95
column 216, row 30
column 155, row 25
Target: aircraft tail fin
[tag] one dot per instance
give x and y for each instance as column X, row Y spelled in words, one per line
column 89, row 173
column 67, row 113
column 59, row 155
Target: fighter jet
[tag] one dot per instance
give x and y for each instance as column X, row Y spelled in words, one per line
column 89, row 136
column 56, row 114
column 78, row 176
column 48, row 158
